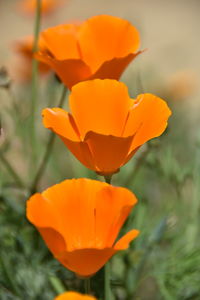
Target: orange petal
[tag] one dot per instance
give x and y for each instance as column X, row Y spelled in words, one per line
column 47, row 222
column 45, row 216
column 100, row 105
column 105, row 37
column 71, row 219
column 74, row 202
column 59, row 121
column 54, row 240
column 114, row 68
column 74, row 296
column 147, row 119
column 47, row 6
column 131, row 154
column 109, row 152
column 61, row 41
column 86, row 262
column 81, row 151
column 69, row 71
column 113, row 206
column 66, row 215
column 62, row 123
column 124, row 242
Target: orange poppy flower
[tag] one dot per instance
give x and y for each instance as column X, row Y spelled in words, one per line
column 23, row 67
column 74, row 296
column 101, row 47
column 47, row 6
column 106, row 127
column 80, row 219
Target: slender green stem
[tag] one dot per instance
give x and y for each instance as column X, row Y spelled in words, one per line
column 34, row 83
column 107, row 281
column 36, row 31
column 108, row 178
column 11, row 170
column 87, row 286
column 48, row 150
column 37, row 25
column 57, row 284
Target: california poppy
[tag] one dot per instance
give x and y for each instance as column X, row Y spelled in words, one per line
column 101, row 47
column 22, row 69
column 181, row 85
column 74, row 296
column 106, row 127
column 47, row 6
column 80, row 219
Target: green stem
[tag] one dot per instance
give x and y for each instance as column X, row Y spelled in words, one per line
column 107, row 282
column 37, row 25
column 48, row 151
column 108, row 178
column 11, row 170
column 57, row 284
column 87, row 286
column 34, row 83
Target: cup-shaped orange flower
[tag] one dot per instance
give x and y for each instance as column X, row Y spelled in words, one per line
column 24, row 50
column 47, row 6
column 74, row 296
column 106, row 127
column 101, row 47
column 80, row 219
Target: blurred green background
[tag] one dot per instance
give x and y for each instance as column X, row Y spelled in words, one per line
column 164, row 262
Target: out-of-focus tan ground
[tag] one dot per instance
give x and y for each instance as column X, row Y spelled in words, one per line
column 169, row 29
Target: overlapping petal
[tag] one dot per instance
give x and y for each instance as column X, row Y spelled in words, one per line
column 106, row 127
column 147, row 119
column 108, row 152
column 101, row 47
column 69, row 71
column 113, row 68
column 104, row 37
column 101, row 106
column 80, row 220
column 61, row 41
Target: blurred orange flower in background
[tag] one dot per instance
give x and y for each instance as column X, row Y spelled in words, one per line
column 74, row 296
column 182, row 84
column 47, row 6
column 101, row 47
column 106, row 127
column 80, row 219
column 22, row 67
